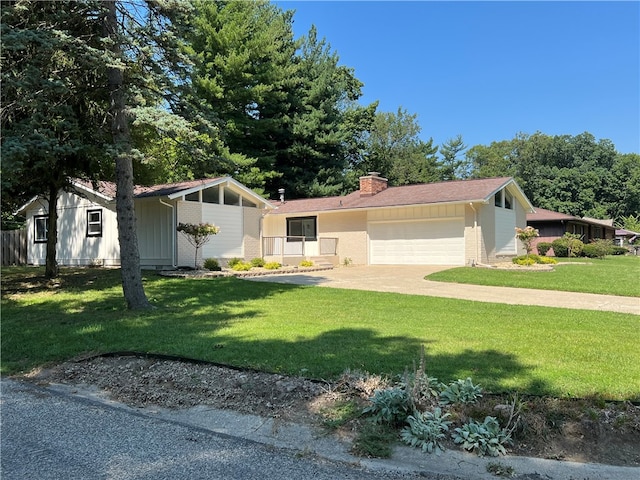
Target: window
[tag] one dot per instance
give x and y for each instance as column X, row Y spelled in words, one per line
column 41, row 225
column 503, row 199
column 301, row 227
column 508, row 200
column 94, row 223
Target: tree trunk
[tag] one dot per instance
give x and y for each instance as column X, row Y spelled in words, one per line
column 51, row 264
column 127, row 235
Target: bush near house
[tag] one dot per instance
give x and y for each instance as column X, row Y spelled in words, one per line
column 257, row 262
column 569, row 245
column 212, row 264
column 233, row 261
column 543, row 248
column 532, row 259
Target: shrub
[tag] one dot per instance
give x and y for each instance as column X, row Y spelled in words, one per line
column 543, row 248
column 460, row 391
column 532, row 259
column 569, row 245
column 590, row 251
column 233, row 261
column 197, row 234
column 560, row 248
column 257, row 262
column 547, row 260
column 524, row 260
column 212, row 264
column 390, row 405
column 486, row 438
column 598, row 248
column 241, row 266
column 426, row 430
column 615, row 250
column 272, row 265
column 306, row 263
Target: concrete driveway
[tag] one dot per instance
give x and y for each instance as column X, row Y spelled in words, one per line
column 410, row 280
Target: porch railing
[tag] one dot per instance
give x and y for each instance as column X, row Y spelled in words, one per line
column 293, row 246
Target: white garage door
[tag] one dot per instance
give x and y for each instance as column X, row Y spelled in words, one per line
column 432, row 242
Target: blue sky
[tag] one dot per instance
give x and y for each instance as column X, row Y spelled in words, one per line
column 488, row 70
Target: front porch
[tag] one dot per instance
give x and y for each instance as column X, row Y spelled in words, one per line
column 294, row 249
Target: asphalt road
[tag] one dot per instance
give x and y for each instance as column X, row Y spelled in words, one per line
column 46, row 435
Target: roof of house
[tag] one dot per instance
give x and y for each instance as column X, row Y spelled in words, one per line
column 107, row 190
column 461, row 191
column 543, row 215
column 623, row 232
column 607, row 223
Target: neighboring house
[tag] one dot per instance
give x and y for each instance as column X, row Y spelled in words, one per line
column 446, row 223
column 553, row 225
column 87, row 225
column 626, row 238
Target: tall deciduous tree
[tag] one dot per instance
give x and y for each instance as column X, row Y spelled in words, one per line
column 396, row 150
column 577, row 175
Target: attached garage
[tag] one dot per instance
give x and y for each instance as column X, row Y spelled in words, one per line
column 425, row 242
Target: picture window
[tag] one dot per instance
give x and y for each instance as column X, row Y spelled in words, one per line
column 302, row 227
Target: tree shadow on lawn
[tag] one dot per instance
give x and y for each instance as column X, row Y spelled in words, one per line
column 189, row 321
column 330, row 354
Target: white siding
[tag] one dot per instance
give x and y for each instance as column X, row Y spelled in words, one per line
column 155, row 233
column 74, row 247
column 228, row 242
column 505, row 231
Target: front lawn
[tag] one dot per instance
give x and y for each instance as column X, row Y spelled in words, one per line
column 320, row 332
column 610, row 276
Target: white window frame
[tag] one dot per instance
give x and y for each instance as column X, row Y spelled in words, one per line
column 40, row 234
column 94, row 223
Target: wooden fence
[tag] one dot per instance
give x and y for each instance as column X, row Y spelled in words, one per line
column 14, row 247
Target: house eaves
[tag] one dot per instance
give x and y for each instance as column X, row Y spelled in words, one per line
column 88, row 188
column 384, row 207
column 186, row 188
column 478, row 191
column 514, row 188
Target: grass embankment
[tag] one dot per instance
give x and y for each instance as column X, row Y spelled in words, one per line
column 320, row 332
column 608, row 276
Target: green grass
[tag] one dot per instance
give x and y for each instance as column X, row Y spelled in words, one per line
column 618, row 275
column 320, row 332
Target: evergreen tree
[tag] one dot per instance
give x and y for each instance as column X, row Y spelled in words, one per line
column 76, row 77
column 53, row 103
column 325, row 122
column 452, row 167
column 245, row 74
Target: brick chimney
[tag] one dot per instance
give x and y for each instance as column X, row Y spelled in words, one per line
column 371, row 184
